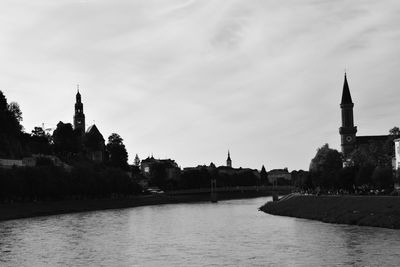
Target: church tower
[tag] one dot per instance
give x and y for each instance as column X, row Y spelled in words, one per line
column 79, row 117
column 229, row 161
column 348, row 130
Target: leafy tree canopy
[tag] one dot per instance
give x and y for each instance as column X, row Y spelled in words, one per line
column 118, row 156
column 395, row 131
column 10, row 117
column 65, row 139
column 326, row 160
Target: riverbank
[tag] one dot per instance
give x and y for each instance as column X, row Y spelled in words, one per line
column 10, row 211
column 377, row 211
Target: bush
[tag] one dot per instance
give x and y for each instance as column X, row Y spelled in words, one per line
column 383, row 178
column 364, row 175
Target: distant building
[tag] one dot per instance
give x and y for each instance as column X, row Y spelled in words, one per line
column 150, row 166
column 229, row 161
column 9, row 163
column 277, row 176
column 396, row 163
column 349, row 140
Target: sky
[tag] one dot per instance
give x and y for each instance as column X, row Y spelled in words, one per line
column 192, row 79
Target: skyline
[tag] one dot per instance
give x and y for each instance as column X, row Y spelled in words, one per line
column 190, row 80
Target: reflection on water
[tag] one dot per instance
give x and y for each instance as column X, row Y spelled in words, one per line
column 231, row 233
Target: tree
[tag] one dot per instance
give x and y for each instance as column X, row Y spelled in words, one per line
column 395, row 131
column 324, row 167
column 383, row 178
column 39, row 142
column 345, row 178
column 326, row 159
column 378, row 153
column 118, row 156
column 301, row 179
column 15, row 110
column 10, row 117
column 10, row 129
column 264, row 176
column 66, row 140
column 364, row 175
column 38, row 131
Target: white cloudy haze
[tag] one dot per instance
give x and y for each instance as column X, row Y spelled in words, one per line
column 188, row 80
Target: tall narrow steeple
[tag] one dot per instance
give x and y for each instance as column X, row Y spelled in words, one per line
column 228, row 160
column 348, row 130
column 346, row 97
column 79, row 116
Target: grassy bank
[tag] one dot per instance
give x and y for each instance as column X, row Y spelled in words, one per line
column 378, row 211
column 9, row 211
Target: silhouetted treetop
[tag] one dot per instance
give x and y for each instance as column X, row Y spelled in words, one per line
column 326, row 159
column 115, row 139
column 10, row 117
column 118, row 156
column 65, row 139
column 395, row 131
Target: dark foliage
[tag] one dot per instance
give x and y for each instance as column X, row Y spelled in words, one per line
column 11, row 129
column 66, row 141
column 200, row 177
column 345, row 179
column 264, row 176
column 382, row 178
column 47, row 182
column 118, row 156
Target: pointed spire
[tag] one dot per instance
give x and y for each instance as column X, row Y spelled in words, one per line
column 229, row 155
column 346, row 97
column 78, row 95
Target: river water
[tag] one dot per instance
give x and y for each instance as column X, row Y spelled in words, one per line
column 228, row 233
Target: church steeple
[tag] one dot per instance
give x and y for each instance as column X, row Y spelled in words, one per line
column 79, row 116
column 228, row 160
column 348, row 130
column 346, row 97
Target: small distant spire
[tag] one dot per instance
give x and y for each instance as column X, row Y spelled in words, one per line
column 228, row 160
column 77, row 87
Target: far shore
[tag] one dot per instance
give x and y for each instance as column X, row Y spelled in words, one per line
column 377, row 211
column 18, row 210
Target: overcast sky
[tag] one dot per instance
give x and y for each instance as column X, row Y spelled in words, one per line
column 188, row 80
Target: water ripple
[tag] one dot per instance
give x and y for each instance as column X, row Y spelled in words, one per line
column 229, row 233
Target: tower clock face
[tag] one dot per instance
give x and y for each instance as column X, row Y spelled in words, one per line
column 349, row 139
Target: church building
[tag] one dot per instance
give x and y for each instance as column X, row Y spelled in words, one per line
column 349, row 140
column 92, row 139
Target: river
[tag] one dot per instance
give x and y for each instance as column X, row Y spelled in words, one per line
column 227, row 233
